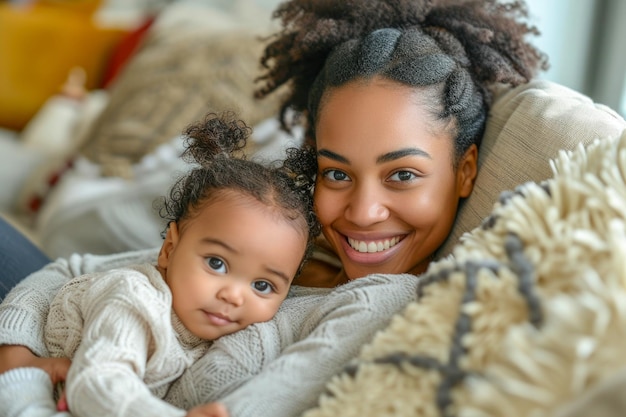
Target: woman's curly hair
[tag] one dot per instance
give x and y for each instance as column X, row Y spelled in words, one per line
column 453, row 50
column 215, row 145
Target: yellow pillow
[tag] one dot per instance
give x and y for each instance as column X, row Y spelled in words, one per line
column 39, row 45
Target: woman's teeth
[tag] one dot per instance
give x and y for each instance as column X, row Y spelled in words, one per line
column 372, row 247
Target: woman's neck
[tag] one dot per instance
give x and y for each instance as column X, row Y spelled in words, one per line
column 320, row 275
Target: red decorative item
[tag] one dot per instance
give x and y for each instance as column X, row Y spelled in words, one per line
column 124, row 51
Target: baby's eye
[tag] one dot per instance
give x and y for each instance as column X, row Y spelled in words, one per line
column 336, row 175
column 263, row 287
column 402, row 176
column 216, row 264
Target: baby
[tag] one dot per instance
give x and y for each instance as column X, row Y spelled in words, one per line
column 238, row 233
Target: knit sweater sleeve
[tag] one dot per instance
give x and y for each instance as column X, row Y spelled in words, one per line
column 27, row 392
column 24, row 310
column 331, row 334
column 127, row 332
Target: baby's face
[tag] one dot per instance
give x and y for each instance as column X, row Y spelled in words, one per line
column 231, row 265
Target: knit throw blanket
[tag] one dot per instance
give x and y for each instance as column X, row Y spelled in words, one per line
column 527, row 317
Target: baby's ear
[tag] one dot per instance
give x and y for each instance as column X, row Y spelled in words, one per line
column 169, row 244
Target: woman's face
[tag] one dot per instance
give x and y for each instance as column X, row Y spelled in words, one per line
column 386, row 192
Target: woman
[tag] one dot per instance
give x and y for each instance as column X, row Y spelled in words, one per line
column 394, row 95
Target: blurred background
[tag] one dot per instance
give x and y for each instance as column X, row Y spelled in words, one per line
column 585, row 42
column 94, row 95
column 41, row 40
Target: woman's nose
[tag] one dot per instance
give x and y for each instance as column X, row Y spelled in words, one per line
column 366, row 206
column 231, row 293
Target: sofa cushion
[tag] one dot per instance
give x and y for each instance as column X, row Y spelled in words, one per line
column 527, row 126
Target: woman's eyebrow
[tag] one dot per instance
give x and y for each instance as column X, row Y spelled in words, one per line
column 332, row 155
column 390, row 156
column 401, row 153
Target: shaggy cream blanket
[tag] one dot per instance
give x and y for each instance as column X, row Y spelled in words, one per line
column 527, row 316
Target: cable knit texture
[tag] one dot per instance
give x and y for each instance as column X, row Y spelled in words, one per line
column 24, row 311
column 318, row 338
column 125, row 342
column 314, row 335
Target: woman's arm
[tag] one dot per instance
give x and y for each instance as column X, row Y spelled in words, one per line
column 314, row 349
column 348, row 319
column 24, row 311
column 233, row 359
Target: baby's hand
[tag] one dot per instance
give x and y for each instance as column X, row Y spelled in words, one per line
column 57, row 368
column 208, row 410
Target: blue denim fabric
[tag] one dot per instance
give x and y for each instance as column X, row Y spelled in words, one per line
column 18, row 257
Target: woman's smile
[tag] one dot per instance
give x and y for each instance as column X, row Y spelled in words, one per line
column 372, row 252
column 373, row 246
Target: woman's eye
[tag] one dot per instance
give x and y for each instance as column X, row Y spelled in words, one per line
column 216, row 264
column 336, row 175
column 263, row 287
column 403, row 176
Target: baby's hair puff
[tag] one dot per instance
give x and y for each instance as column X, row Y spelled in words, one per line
column 215, row 146
column 218, row 136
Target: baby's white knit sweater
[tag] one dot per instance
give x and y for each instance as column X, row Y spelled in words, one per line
column 274, row 369
column 126, row 344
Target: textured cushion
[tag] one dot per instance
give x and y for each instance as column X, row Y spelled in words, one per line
column 194, row 59
column 527, row 126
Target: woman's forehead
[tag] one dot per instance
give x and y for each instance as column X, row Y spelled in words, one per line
column 381, row 117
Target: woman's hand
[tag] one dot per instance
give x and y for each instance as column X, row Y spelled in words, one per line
column 13, row 356
column 208, row 410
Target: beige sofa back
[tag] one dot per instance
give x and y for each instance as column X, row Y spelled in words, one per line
column 527, row 126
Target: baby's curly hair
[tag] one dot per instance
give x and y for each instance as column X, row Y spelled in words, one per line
column 216, row 146
column 451, row 50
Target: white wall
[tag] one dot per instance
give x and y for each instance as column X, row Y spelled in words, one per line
column 566, row 27
column 584, row 42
